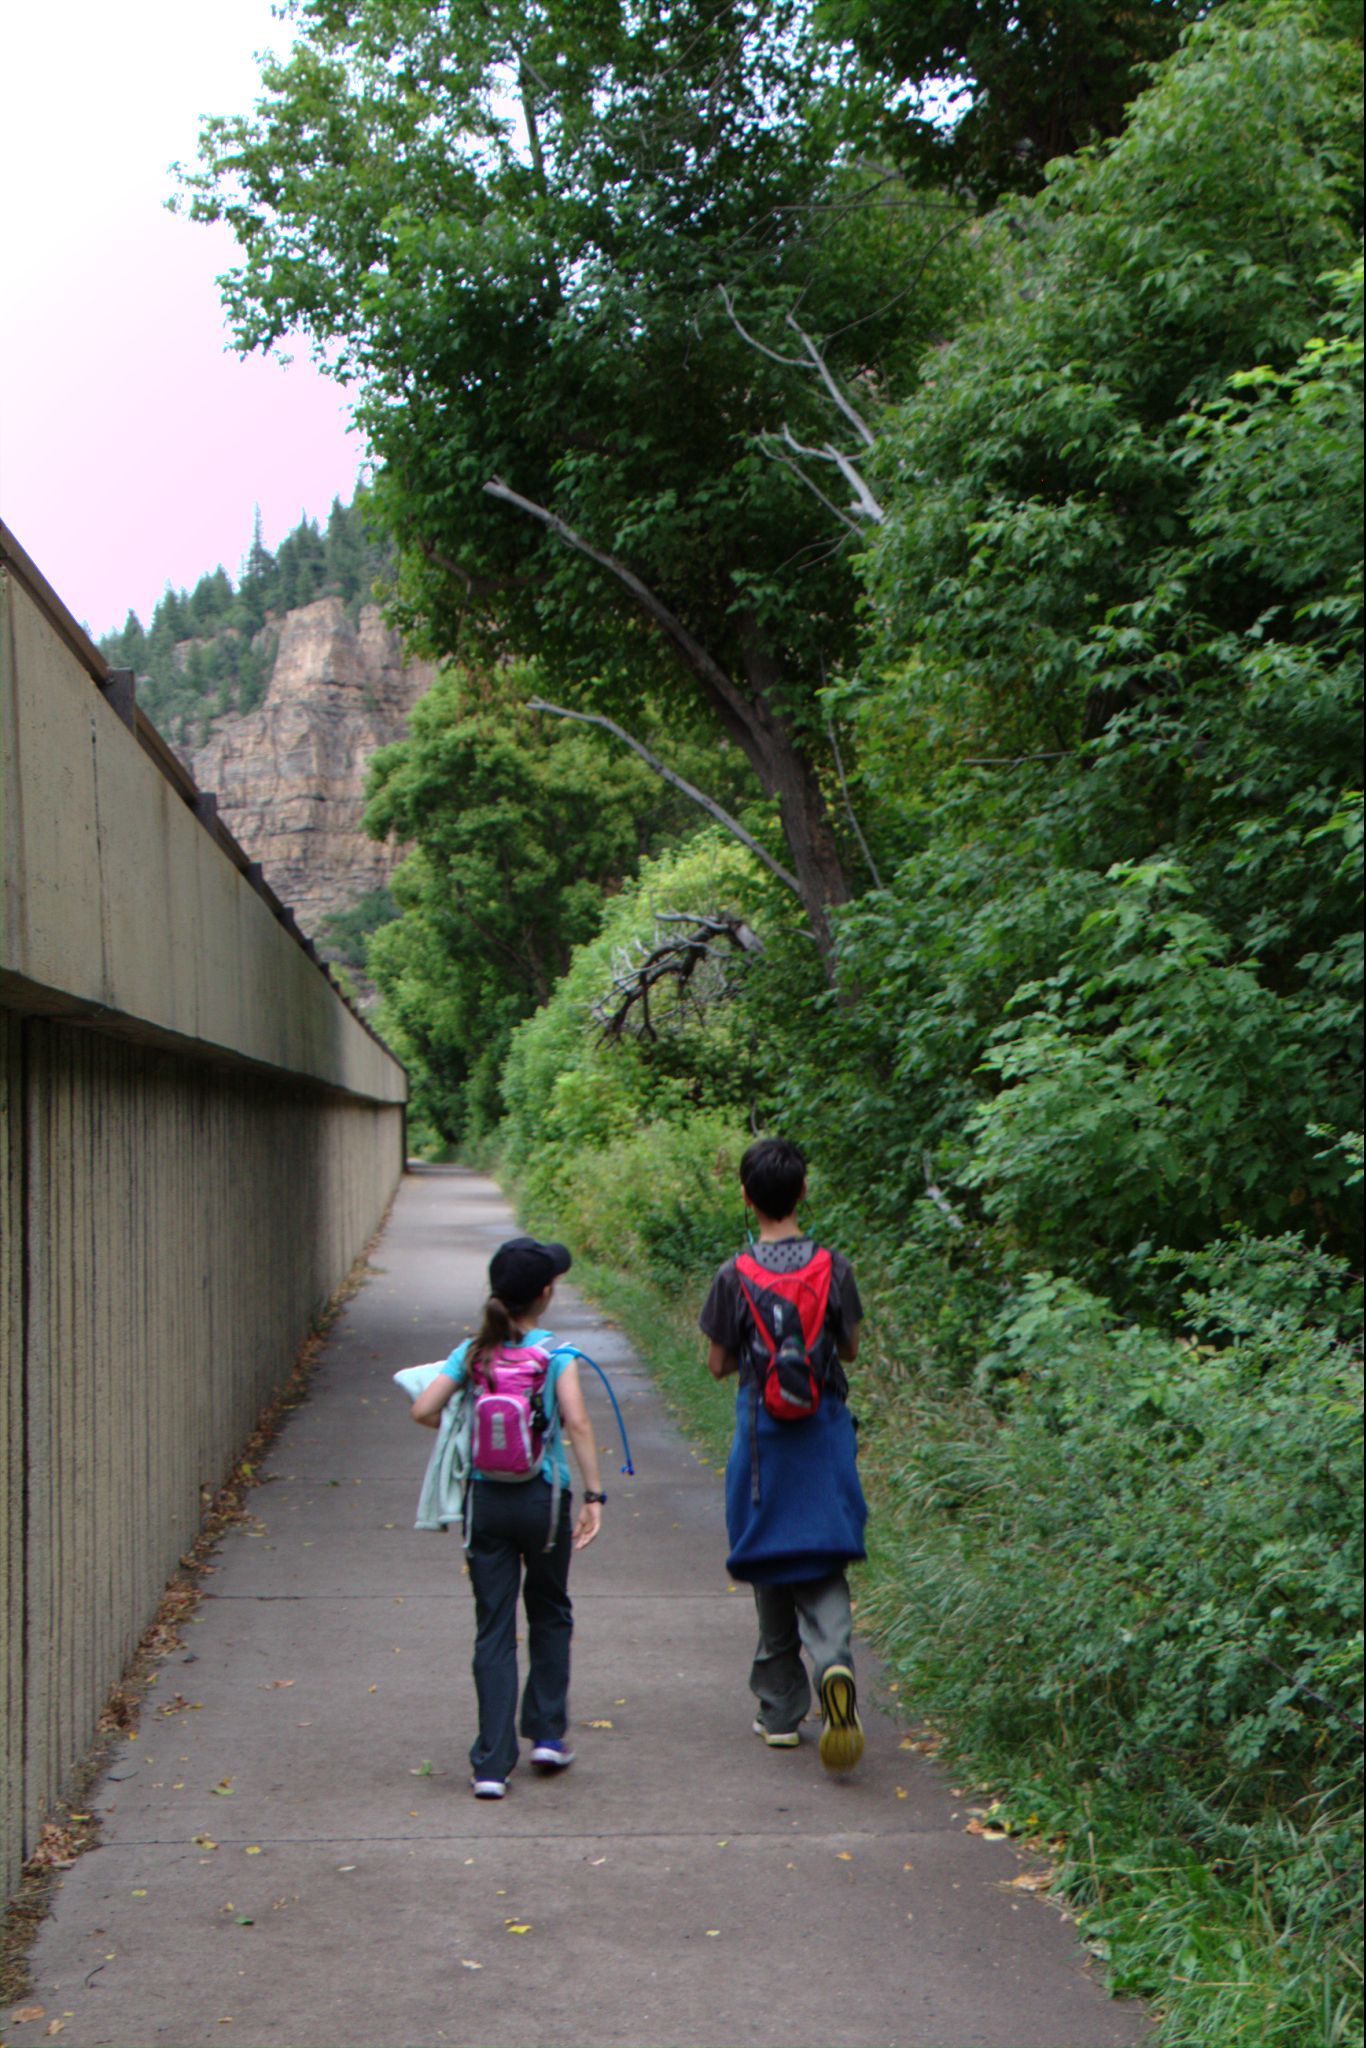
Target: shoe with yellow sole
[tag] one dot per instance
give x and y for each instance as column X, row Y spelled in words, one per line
column 841, row 1729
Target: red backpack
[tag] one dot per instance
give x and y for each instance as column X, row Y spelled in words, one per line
column 794, row 1350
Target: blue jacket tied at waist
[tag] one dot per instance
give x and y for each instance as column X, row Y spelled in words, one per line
column 809, row 1518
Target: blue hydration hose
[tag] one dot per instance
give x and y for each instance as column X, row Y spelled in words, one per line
column 573, row 1351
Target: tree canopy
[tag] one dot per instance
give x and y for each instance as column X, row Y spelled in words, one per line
column 558, row 249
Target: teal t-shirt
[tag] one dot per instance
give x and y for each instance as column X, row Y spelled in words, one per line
column 555, row 1462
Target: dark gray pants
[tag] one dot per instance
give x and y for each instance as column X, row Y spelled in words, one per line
column 507, row 1554
column 812, row 1614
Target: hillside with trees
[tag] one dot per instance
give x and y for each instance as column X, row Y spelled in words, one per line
column 210, row 650
column 900, row 557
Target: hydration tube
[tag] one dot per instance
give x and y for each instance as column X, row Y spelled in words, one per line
column 573, row 1351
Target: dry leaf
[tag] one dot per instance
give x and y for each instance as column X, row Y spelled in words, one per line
column 1032, row 1881
column 843, row 1856
column 902, row 1793
column 713, row 1933
column 597, row 1724
column 139, row 1895
column 27, row 2013
column 54, row 2027
column 204, row 1841
column 254, row 1850
column 466, row 1964
column 988, row 1833
column 519, row 1927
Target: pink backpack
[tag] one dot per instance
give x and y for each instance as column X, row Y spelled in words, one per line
column 508, row 1425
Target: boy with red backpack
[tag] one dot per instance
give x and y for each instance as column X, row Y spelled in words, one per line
column 785, row 1315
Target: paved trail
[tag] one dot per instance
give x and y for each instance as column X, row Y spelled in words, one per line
column 681, row 1885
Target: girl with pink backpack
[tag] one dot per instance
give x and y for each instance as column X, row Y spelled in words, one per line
column 523, row 1396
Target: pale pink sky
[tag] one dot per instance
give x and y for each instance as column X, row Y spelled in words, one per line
column 133, row 445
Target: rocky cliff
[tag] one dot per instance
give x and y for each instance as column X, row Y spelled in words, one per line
column 290, row 775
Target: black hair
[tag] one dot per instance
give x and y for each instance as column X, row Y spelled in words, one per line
column 772, row 1174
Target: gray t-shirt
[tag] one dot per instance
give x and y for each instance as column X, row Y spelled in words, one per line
column 726, row 1318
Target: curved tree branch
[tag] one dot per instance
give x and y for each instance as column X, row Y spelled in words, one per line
column 653, row 762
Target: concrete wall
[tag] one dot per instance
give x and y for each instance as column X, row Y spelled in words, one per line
column 197, row 1137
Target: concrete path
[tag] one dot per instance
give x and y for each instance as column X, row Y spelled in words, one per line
column 681, row 1885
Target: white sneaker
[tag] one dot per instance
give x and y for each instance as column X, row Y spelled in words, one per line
column 788, row 1739
column 552, row 1756
column 489, row 1788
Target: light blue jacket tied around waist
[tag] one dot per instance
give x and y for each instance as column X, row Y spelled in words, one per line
column 441, row 1498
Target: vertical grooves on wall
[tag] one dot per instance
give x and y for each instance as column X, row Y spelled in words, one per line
column 171, row 1230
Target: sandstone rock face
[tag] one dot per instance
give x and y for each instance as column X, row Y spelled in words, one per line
column 290, row 775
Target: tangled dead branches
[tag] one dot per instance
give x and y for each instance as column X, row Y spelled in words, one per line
column 697, row 961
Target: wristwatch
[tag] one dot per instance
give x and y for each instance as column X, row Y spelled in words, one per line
column 589, row 1495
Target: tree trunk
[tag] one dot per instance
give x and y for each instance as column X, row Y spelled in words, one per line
column 784, row 768
column 751, row 717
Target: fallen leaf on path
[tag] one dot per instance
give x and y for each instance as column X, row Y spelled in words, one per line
column 223, row 1789
column 597, row 1724
column 466, row 1964
column 54, row 2027
column 254, row 1850
column 374, row 1688
column 27, row 2013
column 902, row 1793
column 343, row 1868
column 843, row 1856
column 519, row 1927
column 713, row 1933
column 986, row 1831
column 278, row 1685
column 426, row 1769
column 597, row 1861
column 139, row 1895
column 1032, row 1881
column 204, row 1841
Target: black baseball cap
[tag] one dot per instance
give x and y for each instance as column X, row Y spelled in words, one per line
column 524, row 1267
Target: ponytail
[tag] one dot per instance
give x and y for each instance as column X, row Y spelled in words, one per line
column 495, row 1330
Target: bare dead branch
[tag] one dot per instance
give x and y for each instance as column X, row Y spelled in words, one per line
column 788, row 362
column 675, row 959
column 938, row 1197
column 823, row 371
column 703, row 665
column 849, row 803
column 864, row 501
column 831, row 507
column 676, row 781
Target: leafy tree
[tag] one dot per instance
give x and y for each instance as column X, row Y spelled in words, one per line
column 1026, row 80
column 520, row 827
column 1111, row 717
column 541, row 313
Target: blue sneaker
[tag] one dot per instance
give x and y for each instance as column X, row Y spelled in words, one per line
column 552, row 1756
